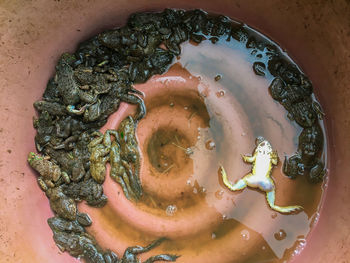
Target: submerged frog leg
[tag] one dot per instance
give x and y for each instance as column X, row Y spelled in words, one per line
column 124, row 182
column 163, row 257
column 134, row 180
column 270, row 197
column 241, row 184
column 124, row 186
column 138, row 249
column 131, row 252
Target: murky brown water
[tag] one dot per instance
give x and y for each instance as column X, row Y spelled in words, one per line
column 204, row 112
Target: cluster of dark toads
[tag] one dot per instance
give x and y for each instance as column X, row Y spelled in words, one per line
column 292, row 89
column 89, row 85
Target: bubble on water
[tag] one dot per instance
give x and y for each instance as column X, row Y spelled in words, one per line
column 171, row 210
column 189, row 151
column 224, row 217
column 204, row 190
column 273, row 215
column 219, row 194
column 213, row 236
column 245, row 234
column 218, row 77
column 188, row 182
column 210, row 145
column 315, row 218
column 220, row 93
column 301, row 243
column 280, row 235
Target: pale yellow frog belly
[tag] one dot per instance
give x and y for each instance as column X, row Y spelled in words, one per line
column 263, row 183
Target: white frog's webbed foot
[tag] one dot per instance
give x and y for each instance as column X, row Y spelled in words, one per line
column 270, row 197
column 241, row 184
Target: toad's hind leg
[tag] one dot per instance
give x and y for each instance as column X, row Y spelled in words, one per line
column 124, row 186
column 241, row 184
column 270, row 197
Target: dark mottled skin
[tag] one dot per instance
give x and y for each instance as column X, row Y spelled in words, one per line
column 293, row 166
column 129, row 149
column 88, row 190
column 60, row 224
column 307, row 158
column 53, row 108
column 61, row 204
column 310, row 144
column 72, row 166
column 317, row 172
column 50, row 173
column 66, row 84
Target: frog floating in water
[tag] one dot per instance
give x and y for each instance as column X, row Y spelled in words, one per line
column 263, row 160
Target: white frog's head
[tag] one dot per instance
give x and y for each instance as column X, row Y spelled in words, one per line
column 263, row 146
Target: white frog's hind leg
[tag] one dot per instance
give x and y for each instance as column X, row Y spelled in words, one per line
column 270, row 197
column 241, row 184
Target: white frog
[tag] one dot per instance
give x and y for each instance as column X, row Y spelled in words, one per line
column 263, row 160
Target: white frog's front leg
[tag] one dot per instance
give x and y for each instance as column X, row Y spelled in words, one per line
column 274, row 157
column 248, row 159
